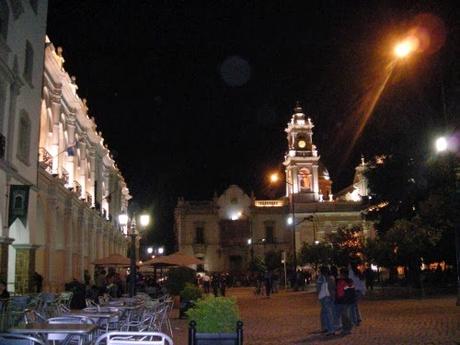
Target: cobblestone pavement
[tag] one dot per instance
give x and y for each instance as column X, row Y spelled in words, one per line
column 293, row 318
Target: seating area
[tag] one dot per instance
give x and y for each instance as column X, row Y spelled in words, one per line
column 48, row 319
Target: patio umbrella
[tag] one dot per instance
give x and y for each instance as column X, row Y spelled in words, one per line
column 113, row 260
column 176, row 259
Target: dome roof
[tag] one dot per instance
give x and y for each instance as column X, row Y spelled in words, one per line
column 323, row 172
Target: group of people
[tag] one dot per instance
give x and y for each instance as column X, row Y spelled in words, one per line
column 218, row 283
column 339, row 293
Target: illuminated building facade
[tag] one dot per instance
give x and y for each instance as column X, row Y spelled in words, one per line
column 22, row 41
column 61, row 190
column 227, row 231
column 81, row 191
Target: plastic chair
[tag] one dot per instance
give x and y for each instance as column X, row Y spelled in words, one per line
column 19, row 339
column 134, row 338
column 31, row 315
column 65, row 298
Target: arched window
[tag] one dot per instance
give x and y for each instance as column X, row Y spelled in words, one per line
column 23, row 151
column 29, row 62
column 4, row 16
column 305, row 179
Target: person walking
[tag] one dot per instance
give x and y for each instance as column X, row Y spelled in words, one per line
column 360, row 290
column 215, row 284
column 325, row 287
column 222, row 284
column 206, row 283
column 344, row 298
column 268, row 283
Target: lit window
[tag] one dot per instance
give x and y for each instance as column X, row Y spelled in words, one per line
column 24, row 138
column 29, row 62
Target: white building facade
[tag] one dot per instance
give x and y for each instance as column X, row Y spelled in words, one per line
column 81, row 189
column 22, row 40
column 228, row 231
column 60, row 189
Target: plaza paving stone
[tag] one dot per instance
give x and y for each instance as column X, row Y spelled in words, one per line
column 293, row 318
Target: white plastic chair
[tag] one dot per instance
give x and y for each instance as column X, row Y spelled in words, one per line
column 134, row 338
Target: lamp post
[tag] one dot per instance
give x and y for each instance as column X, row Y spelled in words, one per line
column 124, row 221
column 442, row 146
column 292, row 222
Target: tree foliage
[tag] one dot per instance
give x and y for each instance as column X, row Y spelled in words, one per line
column 316, row 254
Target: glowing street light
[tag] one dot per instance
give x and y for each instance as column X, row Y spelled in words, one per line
column 441, row 144
column 149, row 250
column 144, row 220
column 404, row 48
column 274, row 178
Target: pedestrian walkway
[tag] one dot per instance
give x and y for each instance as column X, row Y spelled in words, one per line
column 293, row 318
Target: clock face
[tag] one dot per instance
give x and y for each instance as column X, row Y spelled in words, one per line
column 301, row 144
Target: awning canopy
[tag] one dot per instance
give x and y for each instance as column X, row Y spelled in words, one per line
column 113, row 260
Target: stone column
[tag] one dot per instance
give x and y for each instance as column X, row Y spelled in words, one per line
column 92, row 175
column 25, row 267
column 70, row 165
column 55, row 98
column 68, row 238
column 83, row 166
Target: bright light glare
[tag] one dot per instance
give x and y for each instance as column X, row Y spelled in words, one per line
column 144, row 219
column 374, row 267
column 249, row 241
column 405, row 48
column 441, row 144
column 289, row 220
column 149, row 250
column 316, row 242
column 274, row 178
column 161, row 250
column 123, row 219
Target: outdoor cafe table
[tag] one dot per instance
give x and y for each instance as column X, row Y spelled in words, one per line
column 43, row 329
column 101, row 318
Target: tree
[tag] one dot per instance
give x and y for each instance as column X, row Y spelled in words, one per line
column 411, row 241
column 347, row 245
column 316, row 254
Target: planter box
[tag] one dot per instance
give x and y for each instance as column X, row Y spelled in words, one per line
column 195, row 338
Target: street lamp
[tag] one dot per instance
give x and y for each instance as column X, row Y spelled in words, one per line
column 274, row 178
column 406, row 47
column 124, row 221
column 442, row 146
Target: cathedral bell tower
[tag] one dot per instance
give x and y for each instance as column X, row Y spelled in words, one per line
column 301, row 160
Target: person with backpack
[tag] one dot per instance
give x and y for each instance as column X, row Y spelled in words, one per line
column 325, row 287
column 344, row 299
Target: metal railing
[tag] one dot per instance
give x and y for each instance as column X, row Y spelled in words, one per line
column 45, row 159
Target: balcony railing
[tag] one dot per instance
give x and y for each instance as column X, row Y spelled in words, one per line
column 2, row 146
column 77, row 187
column 269, row 203
column 45, row 159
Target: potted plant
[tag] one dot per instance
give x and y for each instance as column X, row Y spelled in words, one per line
column 215, row 321
column 188, row 297
column 177, row 278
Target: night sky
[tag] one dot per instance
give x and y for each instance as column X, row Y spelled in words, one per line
column 193, row 96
